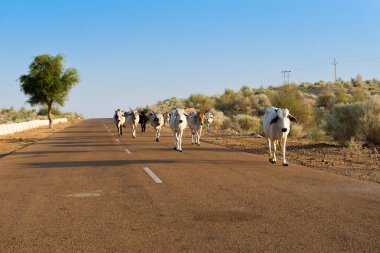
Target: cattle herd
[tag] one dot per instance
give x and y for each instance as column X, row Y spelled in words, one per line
column 276, row 124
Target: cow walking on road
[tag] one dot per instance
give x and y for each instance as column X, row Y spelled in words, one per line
column 276, row 125
column 157, row 121
column 119, row 120
column 209, row 119
column 178, row 123
column 195, row 121
column 143, row 120
column 133, row 119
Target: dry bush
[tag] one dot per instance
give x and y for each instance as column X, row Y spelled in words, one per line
column 316, row 134
column 296, row 131
column 344, row 122
column 371, row 121
column 289, row 97
column 248, row 123
column 218, row 119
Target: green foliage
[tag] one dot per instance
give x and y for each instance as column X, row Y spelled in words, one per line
column 43, row 111
column 248, row 123
column 228, row 102
column 13, row 116
column 199, row 102
column 245, row 101
column 316, row 134
column 371, row 121
column 359, row 96
column 168, row 104
column 47, row 82
column 342, row 96
column 289, row 97
column 344, row 122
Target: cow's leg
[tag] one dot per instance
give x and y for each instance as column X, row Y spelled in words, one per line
column 157, row 135
column 192, row 137
column 133, row 131
column 180, row 141
column 283, row 149
column 199, row 136
column 175, row 140
column 121, row 130
column 275, row 142
column 270, row 150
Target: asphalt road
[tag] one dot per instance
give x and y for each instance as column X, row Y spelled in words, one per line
column 84, row 189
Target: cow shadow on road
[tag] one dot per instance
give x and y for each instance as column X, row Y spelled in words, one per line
column 121, row 163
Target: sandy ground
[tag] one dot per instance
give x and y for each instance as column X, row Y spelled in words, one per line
column 363, row 163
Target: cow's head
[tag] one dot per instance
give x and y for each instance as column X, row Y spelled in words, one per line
column 283, row 118
column 119, row 113
column 209, row 117
column 200, row 117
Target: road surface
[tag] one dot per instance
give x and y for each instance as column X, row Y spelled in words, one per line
column 84, row 189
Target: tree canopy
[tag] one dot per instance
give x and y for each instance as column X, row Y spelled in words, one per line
column 48, row 82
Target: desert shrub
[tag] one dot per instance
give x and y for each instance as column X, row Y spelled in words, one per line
column 344, row 122
column 199, row 102
column 371, row 121
column 218, row 119
column 43, row 111
column 316, row 134
column 228, row 103
column 226, row 124
column 248, row 123
column 320, row 115
column 326, row 101
column 296, row 131
column 359, row 96
column 288, row 97
column 168, row 104
column 260, row 102
column 342, row 96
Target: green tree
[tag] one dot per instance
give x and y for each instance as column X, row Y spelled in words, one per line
column 47, row 82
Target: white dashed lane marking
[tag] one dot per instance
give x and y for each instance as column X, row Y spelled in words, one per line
column 117, row 140
column 152, row 175
column 128, row 152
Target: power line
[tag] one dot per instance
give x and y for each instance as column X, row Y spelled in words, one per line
column 285, row 74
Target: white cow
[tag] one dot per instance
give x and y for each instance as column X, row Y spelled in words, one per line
column 166, row 116
column 195, row 121
column 178, row 123
column 157, row 121
column 209, row 119
column 119, row 120
column 276, row 128
column 133, row 118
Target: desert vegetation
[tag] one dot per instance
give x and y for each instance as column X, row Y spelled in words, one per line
column 344, row 112
column 11, row 115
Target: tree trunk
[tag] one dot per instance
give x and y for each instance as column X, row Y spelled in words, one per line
column 50, row 117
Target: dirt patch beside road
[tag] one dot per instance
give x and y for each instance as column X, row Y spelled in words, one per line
column 16, row 141
column 363, row 163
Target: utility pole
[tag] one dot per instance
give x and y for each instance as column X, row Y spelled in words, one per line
column 334, row 63
column 286, row 74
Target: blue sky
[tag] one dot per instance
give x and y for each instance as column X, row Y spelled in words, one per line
column 134, row 53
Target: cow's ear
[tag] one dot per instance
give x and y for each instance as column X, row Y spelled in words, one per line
column 292, row 118
column 187, row 115
column 274, row 120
